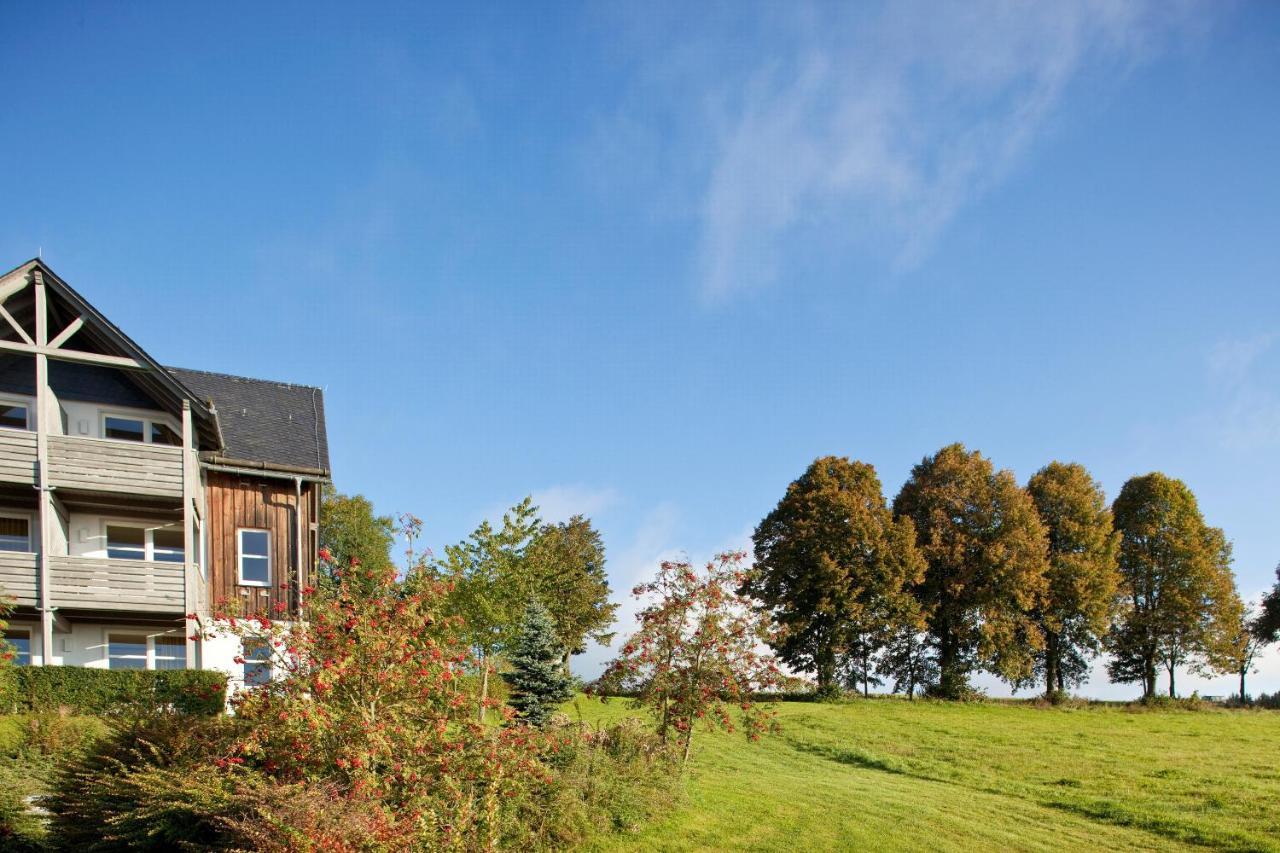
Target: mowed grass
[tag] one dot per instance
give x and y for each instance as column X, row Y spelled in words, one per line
column 887, row 774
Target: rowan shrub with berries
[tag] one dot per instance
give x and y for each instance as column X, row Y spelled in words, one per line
column 369, row 699
column 696, row 658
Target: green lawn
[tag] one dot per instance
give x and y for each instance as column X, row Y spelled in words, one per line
column 890, row 774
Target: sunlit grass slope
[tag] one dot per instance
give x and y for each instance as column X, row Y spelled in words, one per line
column 896, row 775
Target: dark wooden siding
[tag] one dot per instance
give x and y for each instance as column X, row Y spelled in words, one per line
column 238, row 501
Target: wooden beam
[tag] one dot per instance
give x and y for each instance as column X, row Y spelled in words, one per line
column 22, row 333
column 8, row 289
column 74, row 355
column 190, row 481
column 42, row 467
column 65, row 335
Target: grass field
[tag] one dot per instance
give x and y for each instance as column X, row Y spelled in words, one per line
column 896, row 775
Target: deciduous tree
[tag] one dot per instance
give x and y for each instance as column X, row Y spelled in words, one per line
column 1267, row 624
column 568, row 567
column 349, row 529
column 1178, row 594
column 695, row 658
column 833, row 568
column 1083, row 576
column 987, row 555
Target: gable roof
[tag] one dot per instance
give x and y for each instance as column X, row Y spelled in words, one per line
column 265, row 424
column 98, row 334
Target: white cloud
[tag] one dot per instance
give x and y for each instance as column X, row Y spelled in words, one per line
column 868, row 128
column 560, row 503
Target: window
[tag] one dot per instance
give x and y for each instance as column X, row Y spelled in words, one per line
column 170, row 653
column 257, row 664
column 167, row 545
column 124, row 429
column 161, row 434
column 255, row 557
column 126, row 543
column 15, row 534
column 21, row 642
column 126, row 651
column 197, row 548
column 14, row 415
column 129, row 542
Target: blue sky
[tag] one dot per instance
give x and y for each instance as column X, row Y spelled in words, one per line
column 646, row 264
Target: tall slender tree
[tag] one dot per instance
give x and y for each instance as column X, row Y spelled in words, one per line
column 987, row 556
column 1178, row 593
column 833, row 567
column 1083, row 576
column 491, row 585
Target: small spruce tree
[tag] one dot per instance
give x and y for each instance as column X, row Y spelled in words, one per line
column 538, row 681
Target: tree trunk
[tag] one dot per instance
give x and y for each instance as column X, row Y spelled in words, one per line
column 1050, row 664
column 866, row 683
column 1243, row 696
column 1172, row 693
column 1149, row 676
column 484, row 684
column 950, row 679
column 826, row 670
column 688, row 745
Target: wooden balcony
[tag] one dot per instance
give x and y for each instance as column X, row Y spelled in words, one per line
column 94, row 464
column 17, row 456
column 140, row 586
column 18, row 577
column 122, row 467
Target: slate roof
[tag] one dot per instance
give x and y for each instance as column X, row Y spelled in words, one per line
column 269, row 423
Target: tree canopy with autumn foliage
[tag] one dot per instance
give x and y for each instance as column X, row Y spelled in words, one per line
column 834, row 570
column 987, row 555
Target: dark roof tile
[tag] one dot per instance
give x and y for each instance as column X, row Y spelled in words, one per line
column 263, row 421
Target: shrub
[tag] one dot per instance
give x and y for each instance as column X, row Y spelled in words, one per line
column 111, row 692
column 611, row 779
column 146, row 788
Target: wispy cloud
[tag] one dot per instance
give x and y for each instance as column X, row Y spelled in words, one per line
column 1247, row 412
column 865, row 127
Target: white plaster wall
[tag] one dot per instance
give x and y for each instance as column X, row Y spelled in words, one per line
column 85, row 419
column 88, row 532
column 86, row 644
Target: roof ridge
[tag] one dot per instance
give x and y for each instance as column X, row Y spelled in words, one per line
column 278, row 382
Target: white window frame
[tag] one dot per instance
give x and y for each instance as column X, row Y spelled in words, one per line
column 150, row 633
column 268, row 660
column 31, row 528
column 148, row 529
column 28, row 403
column 148, row 419
column 240, row 557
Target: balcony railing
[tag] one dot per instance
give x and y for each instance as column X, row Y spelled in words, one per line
column 106, row 465
column 18, row 577
column 94, row 464
column 93, row 583
column 17, row 456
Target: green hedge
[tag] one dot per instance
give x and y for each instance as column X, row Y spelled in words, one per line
column 105, row 691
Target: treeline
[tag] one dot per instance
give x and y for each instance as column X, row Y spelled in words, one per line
column 967, row 572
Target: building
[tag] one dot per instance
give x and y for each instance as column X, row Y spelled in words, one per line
column 135, row 496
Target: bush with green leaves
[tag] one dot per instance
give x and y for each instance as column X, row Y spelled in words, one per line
column 111, row 692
